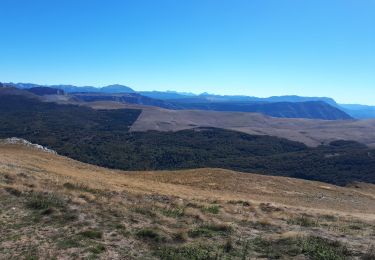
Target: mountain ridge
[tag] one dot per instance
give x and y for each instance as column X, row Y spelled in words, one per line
column 115, row 88
column 316, row 108
column 169, row 94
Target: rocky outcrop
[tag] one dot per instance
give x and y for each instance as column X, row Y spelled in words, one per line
column 20, row 141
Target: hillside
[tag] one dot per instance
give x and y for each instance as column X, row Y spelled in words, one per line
column 206, row 97
column 309, row 132
column 126, row 98
column 42, row 91
column 55, row 208
column 102, row 137
column 309, row 109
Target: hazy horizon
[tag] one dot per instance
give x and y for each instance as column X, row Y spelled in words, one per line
column 238, row 47
column 185, row 92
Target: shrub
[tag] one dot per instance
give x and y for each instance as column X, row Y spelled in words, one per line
column 268, row 208
column 214, row 209
column 13, row 191
column 210, row 230
column 79, row 187
column 97, row 249
column 370, row 254
column 150, row 235
column 330, row 218
column 241, row 202
column 44, row 201
column 145, row 211
column 313, row 247
column 68, row 243
column 180, row 237
column 323, row 249
column 228, row 246
column 267, row 248
column 92, row 234
column 303, row 221
column 189, row 252
column 172, row 212
column 355, row 227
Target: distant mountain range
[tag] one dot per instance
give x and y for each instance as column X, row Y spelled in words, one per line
column 359, row 111
column 75, row 89
column 205, row 97
column 290, row 106
column 354, row 110
column 310, row 109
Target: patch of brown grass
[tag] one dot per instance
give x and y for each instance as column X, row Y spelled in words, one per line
column 83, row 211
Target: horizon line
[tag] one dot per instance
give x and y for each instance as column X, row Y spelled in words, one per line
column 187, row 92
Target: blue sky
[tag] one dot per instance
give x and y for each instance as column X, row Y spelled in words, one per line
column 249, row 47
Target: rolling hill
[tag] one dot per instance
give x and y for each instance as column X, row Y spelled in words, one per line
column 310, row 132
column 102, row 137
column 126, row 98
column 53, row 207
column 309, row 109
column 43, row 91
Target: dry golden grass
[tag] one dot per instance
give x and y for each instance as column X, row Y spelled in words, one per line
column 55, row 207
column 214, row 184
column 309, row 131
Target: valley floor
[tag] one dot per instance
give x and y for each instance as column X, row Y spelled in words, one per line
column 52, row 207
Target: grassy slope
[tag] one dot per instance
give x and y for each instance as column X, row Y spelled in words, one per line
column 54, row 207
column 310, row 132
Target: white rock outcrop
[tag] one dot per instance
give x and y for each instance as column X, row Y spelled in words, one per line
column 20, row 141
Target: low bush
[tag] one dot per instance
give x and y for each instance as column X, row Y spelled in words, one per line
column 150, row 235
column 210, row 230
column 92, row 234
column 316, row 248
column 145, row 211
column 213, row 209
column 240, row 202
column 303, row 221
column 44, row 201
column 188, row 252
column 97, row 249
column 79, row 187
column 323, row 249
column 370, row 254
column 172, row 212
column 66, row 243
column 13, row 191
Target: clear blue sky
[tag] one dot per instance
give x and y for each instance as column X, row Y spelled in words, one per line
column 250, row 47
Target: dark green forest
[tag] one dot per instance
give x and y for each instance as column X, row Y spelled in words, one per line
column 101, row 137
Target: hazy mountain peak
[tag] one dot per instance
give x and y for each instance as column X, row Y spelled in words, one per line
column 116, row 88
